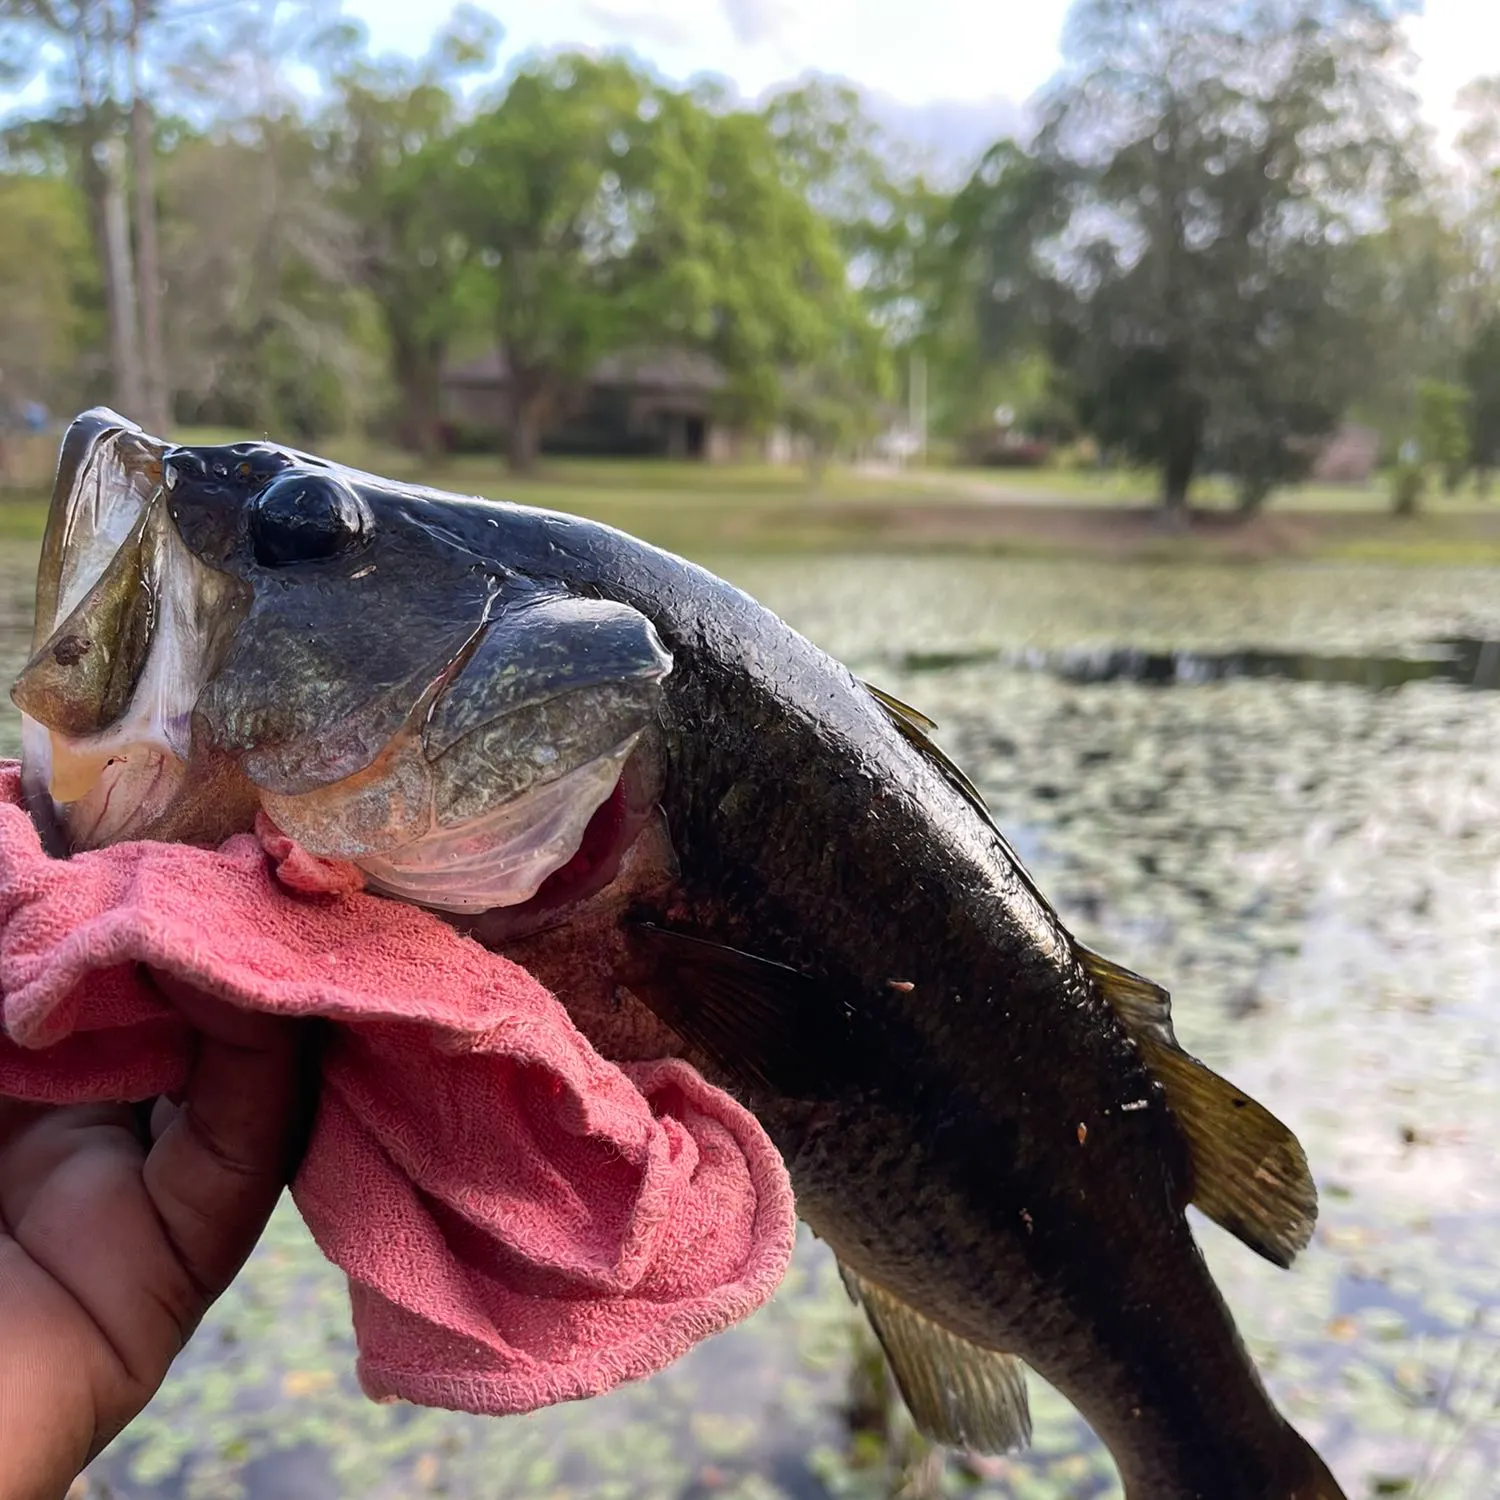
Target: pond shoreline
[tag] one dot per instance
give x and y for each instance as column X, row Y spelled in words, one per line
column 904, row 521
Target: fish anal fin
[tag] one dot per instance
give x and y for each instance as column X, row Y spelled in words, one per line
column 958, row 1394
column 765, row 1025
column 1250, row 1175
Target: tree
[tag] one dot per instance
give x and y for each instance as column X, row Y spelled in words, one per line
column 610, row 213
column 114, row 68
column 1412, row 280
column 554, row 202
column 993, row 304
column 80, row 46
column 757, row 278
column 880, row 209
column 48, row 286
column 1443, row 429
column 1215, row 163
column 390, row 140
column 894, row 228
column 268, row 326
column 1478, row 146
column 1481, row 370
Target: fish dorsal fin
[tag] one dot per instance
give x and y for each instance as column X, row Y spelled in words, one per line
column 1142, row 1005
column 1250, row 1175
column 764, row 1024
column 958, row 1394
column 916, row 729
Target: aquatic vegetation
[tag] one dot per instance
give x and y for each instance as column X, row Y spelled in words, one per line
column 1312, row 867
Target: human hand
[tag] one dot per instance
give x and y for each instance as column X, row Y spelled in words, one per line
column 117, row 1235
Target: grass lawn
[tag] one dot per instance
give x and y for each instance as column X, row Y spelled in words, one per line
column 700, row 508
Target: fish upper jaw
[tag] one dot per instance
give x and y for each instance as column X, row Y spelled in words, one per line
column 108, row 697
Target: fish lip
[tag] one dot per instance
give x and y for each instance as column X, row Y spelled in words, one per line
column 108, row 496
column 94, row 444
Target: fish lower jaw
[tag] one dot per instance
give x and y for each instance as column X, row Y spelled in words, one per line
column 130, row 790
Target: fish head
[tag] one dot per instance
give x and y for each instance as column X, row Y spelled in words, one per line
column 231, row 630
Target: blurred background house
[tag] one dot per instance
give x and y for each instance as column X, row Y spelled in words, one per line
column 652, row 403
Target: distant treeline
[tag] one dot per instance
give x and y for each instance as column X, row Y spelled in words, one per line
column 1227, row 234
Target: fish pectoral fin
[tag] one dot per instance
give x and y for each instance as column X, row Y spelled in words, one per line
column 1250, row 1175
column 958, row 1394
column 764, row 1024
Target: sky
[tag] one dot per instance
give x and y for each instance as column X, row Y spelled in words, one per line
column 950, row 74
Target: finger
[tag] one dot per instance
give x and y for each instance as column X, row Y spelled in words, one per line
column 220, row 1165
column 37, row 1142
column 163, row 1112
column 75, row 1204
column 17, row 1115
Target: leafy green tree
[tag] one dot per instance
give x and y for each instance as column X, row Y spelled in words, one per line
column 880, row 207
column 900, row 234
column 555, row 200
column 1412, row 270
column 1443, row 429
column 81, row 49
column 268, row 326
column 1214, row 162
column 49, row 292
column 115, row 71
column 390, row 148
column 992, row 299
column 758, row 279
column 610, row 213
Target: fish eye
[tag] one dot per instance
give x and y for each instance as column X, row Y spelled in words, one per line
column 302, row 517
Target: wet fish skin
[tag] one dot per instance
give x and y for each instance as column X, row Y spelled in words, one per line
column 941, row 1153
column 990, row 1127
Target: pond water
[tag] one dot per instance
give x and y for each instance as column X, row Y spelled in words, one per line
column 1276, row 791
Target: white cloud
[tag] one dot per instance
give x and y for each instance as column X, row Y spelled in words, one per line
column 949, row 60
column 948, row 135
column 636, row 25
column 1455, row 41
column 756, row 21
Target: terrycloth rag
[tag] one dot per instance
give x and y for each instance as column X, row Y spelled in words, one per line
column 521, row 1221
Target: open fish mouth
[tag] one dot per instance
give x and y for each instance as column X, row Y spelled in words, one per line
column 107, row 696
column 230, row 630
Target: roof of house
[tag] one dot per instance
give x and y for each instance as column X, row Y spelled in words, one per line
column 654, row 369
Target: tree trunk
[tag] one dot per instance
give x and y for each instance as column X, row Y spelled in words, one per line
column 1177, row 475
column 1251, row 495
column 155, row 398
column 528, row 410
column 1177, row 471
column 119, row 282
column 523, row 443
column 418, row 367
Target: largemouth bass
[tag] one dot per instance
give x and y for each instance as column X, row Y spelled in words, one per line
column 710, row 838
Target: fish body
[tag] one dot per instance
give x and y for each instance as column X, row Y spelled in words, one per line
column 576, row 744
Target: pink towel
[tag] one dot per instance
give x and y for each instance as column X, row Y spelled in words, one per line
column 521, row 1221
